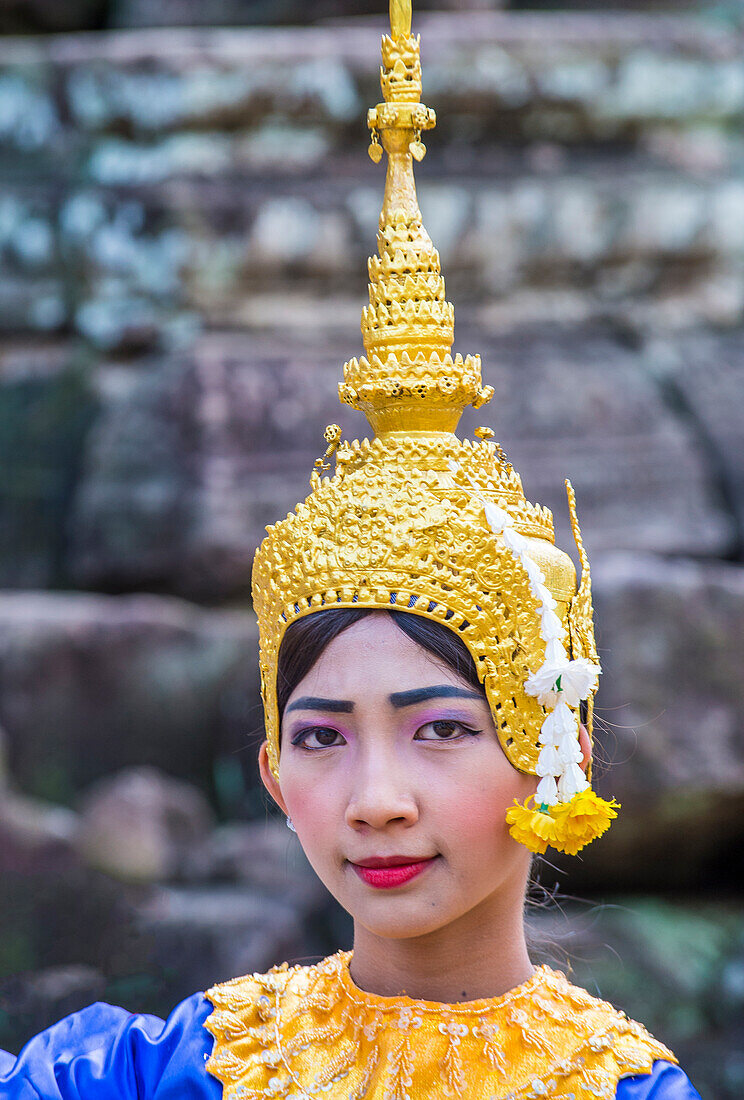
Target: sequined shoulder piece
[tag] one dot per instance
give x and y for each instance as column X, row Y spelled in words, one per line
column 301, row 1032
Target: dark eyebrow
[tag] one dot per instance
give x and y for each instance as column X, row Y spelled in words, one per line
column 312, row 702
column 441, row 691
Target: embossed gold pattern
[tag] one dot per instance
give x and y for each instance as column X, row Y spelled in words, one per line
column 394, row 526
column 302, row 1032
column 401, row 520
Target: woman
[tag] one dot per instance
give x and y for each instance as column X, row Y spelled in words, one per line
column 391, row 768
column 426, row 658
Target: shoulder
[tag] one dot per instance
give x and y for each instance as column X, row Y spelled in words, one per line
column 601, row 1026
column 253, row 993
column 642, row 1066
column 103, row 1050
column 245, row 1010
column 255, row 1013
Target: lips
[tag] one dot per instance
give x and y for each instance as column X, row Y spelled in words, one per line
column 387, row 872
column 390, row 861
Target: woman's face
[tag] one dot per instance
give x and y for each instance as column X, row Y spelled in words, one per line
column 388, row 756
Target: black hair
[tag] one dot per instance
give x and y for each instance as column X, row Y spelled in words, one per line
column 306, row 639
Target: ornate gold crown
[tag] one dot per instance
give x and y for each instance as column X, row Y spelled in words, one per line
column 420, row 520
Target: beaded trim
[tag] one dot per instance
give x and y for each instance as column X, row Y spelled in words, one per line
column 303, row 1032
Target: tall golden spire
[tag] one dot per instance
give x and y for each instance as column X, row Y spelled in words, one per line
column 408, row 380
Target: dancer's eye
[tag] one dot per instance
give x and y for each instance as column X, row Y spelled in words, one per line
column 318, row 737
column 445, row 729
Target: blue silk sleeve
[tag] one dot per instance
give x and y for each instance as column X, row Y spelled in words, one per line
column 104, row 1053
column 665, row 1082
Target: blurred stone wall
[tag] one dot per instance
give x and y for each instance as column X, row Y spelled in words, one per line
column 185, row 217
column 45, row 16
column 49, row 16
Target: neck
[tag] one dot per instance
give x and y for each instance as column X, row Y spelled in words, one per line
column 482, row 954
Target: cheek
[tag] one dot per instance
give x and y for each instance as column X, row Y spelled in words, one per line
column 312, row 805
column 477, row 802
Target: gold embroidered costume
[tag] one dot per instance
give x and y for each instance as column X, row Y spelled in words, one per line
column 302, row 1032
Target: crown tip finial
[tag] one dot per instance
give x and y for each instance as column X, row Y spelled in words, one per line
column 408, row 380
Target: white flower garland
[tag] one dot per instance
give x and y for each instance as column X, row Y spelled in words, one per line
column 559, row 684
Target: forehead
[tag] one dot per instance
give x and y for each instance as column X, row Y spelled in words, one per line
column 374, row 657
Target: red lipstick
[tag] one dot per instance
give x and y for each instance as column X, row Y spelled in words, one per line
column 386, row 872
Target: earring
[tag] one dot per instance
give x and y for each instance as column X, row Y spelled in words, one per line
column 290, row 826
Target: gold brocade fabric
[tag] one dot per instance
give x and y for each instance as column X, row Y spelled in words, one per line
column 302, row 1032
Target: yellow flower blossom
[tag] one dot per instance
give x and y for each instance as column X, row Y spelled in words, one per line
column 568, row 827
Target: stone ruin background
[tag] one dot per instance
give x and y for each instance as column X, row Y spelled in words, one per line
column 185, row 214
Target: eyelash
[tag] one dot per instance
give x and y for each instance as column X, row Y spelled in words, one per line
column 302, row 735
column 468, row 730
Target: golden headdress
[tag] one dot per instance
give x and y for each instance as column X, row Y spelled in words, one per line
column 420, row 520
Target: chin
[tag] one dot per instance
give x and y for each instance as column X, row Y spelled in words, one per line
column 396, row 924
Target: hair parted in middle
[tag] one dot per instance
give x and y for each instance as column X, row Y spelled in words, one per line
column 307, row 639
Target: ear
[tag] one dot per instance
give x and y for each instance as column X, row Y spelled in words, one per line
column 268, row 778
column 586, row 747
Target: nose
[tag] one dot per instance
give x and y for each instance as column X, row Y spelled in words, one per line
column 381, row 795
